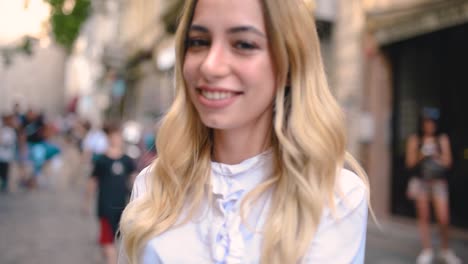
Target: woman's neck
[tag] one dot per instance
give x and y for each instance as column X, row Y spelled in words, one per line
column 235, row 146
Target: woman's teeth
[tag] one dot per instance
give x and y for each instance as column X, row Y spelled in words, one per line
column 217, row 95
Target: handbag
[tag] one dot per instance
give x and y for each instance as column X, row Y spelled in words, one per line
column 431, row 169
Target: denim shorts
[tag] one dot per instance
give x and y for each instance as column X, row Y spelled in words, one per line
column 430, row 188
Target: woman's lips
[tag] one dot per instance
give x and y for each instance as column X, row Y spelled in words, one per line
column 216, row 97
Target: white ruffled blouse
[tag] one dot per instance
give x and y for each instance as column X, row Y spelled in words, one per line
column 218, row 235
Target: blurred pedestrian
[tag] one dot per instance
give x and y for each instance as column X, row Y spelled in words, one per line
column 429, row 158
column 111, row 177
column 33, row 128
column 7, row 149
column 95, row 142
column 78, row 132
column 251, row 154
column 18, row 114
column 40, row 150
column 22, row 157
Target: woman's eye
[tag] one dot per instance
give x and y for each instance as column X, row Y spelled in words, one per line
column 243, row 45
column 196, row 42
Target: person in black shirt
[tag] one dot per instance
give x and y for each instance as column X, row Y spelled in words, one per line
column 111, row 178
column 33, row 125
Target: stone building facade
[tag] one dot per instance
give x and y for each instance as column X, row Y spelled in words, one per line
column 394, row 58
column 34, row 80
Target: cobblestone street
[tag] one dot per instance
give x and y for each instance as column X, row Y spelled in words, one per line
column 46, row 227
column 398, row 243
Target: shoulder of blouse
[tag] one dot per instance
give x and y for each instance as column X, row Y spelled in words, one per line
column 343, row 225
column 350, row 192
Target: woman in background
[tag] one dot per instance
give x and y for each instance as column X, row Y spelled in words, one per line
column 429, row 156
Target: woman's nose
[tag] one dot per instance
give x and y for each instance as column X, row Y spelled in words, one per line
column 216, row 62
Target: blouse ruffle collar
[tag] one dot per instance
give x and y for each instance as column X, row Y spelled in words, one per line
column 229, row 185
column 227, row 178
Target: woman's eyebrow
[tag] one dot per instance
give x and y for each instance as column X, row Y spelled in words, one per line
column 252, row 29
column 233, row 30
column 198, row 28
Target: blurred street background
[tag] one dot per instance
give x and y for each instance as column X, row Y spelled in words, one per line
column 68, row 66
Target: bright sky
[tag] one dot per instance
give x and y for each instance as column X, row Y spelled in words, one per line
column 17, row 21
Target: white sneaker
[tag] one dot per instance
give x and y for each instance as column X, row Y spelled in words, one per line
column 449, row 257
column 425, row 257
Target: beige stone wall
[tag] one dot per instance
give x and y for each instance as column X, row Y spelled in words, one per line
column 37, row 80
column 375, row 5
column 139, row 24
column 376, row 155
column 348, row 63
column 141, row 29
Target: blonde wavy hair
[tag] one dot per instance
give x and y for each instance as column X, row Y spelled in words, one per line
column 309, row 145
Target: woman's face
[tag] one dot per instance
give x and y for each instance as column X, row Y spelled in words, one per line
column 429, row 127
column 116, row 139
column 228, row 68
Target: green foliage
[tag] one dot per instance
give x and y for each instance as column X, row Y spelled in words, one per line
column 66, row 25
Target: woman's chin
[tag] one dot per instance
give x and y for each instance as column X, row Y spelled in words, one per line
column 216, row 123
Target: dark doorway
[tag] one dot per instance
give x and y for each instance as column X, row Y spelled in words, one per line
column 432, row 70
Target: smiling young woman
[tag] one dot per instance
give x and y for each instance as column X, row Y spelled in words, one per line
column 251, row 152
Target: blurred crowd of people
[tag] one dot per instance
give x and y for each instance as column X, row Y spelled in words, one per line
column 106, row 159
column 26, row 139
column 30, row 140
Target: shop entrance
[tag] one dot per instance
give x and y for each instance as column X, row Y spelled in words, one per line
column 431, row 70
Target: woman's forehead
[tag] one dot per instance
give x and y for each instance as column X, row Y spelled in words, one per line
column 229, row 13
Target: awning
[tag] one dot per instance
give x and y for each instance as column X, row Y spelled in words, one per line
column 397, row 25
